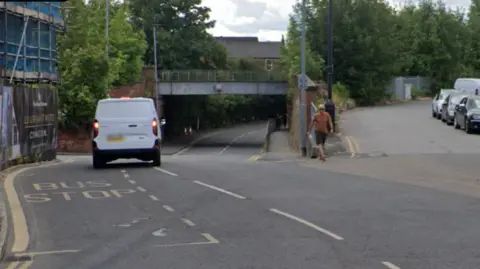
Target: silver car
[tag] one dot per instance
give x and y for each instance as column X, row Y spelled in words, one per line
column 438, row 101
column 448, row 108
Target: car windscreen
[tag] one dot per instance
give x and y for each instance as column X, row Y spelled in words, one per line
column 124, row 109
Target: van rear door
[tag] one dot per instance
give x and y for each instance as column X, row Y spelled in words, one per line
column 125, row 124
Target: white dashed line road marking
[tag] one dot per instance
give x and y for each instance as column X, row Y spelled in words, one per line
column 188, row 222
column 220, row 190
column 307, row 223
column 123, row 171
column 126, row 175
column 153, row 197
column 141, row 189
column 390, row 265
column 168, row 208
column 165, row 171
column 132, row 182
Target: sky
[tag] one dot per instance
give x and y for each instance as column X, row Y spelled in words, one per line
column 266, row 19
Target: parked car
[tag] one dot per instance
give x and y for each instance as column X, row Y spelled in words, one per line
column 438, row 101
column 448, row 106
column 467, row 114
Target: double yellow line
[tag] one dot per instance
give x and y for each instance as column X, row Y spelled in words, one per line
column 352, row 146
column 254, row 158
column 19, row 265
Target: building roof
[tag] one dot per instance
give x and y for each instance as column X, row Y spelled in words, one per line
column 250, row 47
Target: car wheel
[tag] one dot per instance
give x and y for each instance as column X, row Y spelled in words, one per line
column 433, row 114
column 439, row 116
column 467, row 129
column 455, row 123
column 157, row 161
column 98, row 162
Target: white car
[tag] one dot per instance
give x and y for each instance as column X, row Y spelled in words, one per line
column 438, row 101
column 126, row 128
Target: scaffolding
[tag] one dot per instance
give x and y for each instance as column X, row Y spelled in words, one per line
column 28, row 41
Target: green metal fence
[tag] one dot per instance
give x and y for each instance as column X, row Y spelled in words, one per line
column 220, row 76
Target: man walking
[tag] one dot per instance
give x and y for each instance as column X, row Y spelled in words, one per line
column 323, row 125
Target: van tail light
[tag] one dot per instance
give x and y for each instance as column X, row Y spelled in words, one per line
column 96, row 127
column 155, row 127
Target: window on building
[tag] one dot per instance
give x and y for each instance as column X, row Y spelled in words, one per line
column 268, row 65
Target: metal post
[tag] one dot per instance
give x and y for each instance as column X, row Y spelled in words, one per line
column 107, row 26
column 329, row 105
column 19, row 47
column 156, row 66
column 303, row 88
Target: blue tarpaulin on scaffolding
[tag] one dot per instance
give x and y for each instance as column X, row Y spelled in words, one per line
column 38, row 51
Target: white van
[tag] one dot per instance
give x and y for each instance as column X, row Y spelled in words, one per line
column 468, row 85
column 126, row 128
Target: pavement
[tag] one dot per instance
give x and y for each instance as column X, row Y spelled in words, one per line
column 218, row 204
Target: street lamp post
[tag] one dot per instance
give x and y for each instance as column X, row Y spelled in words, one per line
column 303, row 88
column 155, row 65
column 329, row 105
column 107, row 25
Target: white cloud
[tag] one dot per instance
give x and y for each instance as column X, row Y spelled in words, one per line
column 267, row 19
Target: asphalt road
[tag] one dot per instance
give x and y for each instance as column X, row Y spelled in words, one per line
column 211, row 209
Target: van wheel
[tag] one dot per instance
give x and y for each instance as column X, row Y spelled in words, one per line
column 98, row 162
column 157, row 161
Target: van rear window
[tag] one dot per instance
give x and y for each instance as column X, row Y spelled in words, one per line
column 124, row 109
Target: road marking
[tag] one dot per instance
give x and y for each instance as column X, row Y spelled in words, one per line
column 254, row 158
column 195, row 142
column 13, row 265
column 25, row 265
column 48, row 252
column 153, row 197
column 160, row 232
column 123, row 171
column 188, row 222
column 168, row 208
column 165, row 171
column 307, row 223
column 126, row 175
column 141, row 189
column 355, row 145
column 210, row 240
column 220, row 190
column 132, row 181
column 20, row 228
column 236, row 139
column 351, row 148
column 390, row 265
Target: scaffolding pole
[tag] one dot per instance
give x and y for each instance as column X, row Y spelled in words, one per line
column 19, row 48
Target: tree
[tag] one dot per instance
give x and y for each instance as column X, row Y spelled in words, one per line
column 290, row 58
column 182, row 38
column 84, row 68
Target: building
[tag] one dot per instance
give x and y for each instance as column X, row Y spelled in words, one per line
column 266, row 53
column 28, row 33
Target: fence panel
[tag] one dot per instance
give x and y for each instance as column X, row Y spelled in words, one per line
column 28, row 123
column 399, row 86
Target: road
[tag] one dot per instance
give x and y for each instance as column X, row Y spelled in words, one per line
column 211, row 207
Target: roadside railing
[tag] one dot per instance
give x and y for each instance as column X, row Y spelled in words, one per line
column 221, row 76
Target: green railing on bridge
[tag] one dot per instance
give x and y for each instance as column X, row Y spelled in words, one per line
column 220, row 76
